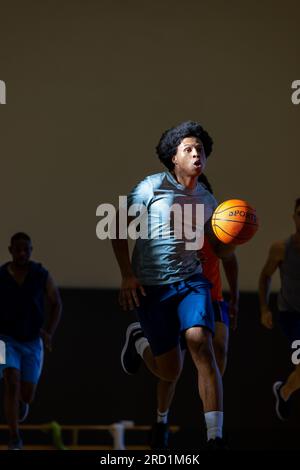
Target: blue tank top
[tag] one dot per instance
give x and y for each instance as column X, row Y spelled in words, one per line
column 22, row 306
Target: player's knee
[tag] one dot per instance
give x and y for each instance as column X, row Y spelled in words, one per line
column 201, row 345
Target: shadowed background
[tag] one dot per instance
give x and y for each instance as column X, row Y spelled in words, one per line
column 91, row 85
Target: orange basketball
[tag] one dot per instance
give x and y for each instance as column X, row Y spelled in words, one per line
column 234, row 221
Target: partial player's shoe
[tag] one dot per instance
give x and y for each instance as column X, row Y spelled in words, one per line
column 159, row 436
column 130, row 359
column 15, row 444
column 23, row 411
column 216, row 444
column 283, row 408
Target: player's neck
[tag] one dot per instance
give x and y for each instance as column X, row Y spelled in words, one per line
column 189, row 182
column 19, row 268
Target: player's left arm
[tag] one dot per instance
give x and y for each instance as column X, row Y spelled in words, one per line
column 231, row 269
column 53, row 297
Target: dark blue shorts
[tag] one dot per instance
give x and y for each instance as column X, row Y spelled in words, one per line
column 168, row 310
column 221, row 311
column 27, row 357
column 290, row 325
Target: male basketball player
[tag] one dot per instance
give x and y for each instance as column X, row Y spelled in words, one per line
column 224, row 314
column 165, row 281
column 23, row 287
column 284, row 255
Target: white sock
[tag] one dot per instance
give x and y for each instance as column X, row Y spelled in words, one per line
column 214, row 424
column 140, row 345
column 162, row 416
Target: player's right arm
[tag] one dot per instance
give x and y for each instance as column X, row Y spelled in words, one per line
column 128, row 297
column 276, row 255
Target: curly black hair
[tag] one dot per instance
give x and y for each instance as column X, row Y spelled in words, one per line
column 203, row 179
column 170, row 139
column 297, row 204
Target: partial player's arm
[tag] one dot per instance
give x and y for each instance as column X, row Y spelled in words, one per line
column 54, row 300
column 276, row 255
column 222, row 250
column 231, row 269
column 128, row 297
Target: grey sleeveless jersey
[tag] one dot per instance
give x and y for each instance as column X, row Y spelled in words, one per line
column 289, row 295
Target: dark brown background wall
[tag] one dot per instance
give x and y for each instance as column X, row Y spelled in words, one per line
column 92, row 84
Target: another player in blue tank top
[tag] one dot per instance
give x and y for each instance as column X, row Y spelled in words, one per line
column 24, row 284
column 285, row 255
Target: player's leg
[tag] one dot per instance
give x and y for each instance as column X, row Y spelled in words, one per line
column 31, row 367
column 221, row 338
column 160, row 431
column 10, row 371
column 11, row 405
column 220, row 345
column 290, row 324
column 291, row 384
column 197, row 320
column 199, row 341
column 155, row 339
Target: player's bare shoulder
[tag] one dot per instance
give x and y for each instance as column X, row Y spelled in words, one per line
column 277, row 251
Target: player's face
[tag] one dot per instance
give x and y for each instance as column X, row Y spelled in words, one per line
column 297, row 219
column 21, row 252
column 190, row 158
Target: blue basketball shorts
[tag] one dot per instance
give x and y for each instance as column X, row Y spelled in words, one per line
column 168, row 310
column 221, row 311
column 27, row 357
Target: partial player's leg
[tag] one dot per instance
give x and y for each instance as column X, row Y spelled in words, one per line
column 11, row 372
column 197, row 321
column 165, row 394
column 11, row 405
column 166, row 366
column 156, row 338
column 220, row 340
column 27, row 393
column 220, row 345
column 31, row 367
column 199, row 341
column 290, row 324
column 291, row 384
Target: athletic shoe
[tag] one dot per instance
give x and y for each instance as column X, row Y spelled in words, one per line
column 282, row 407
column 159, row 436
column 216, row 444
column 15, row 444
column 23, row 411
column 130, row 359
